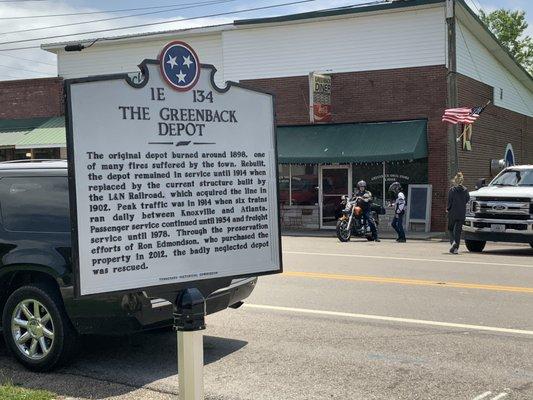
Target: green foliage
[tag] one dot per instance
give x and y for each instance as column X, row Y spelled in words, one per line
column 509, row 27
column 10, row 392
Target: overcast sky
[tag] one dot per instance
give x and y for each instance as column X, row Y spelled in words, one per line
column 29, row 63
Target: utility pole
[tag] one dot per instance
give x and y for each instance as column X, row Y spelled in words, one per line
column 451, row 82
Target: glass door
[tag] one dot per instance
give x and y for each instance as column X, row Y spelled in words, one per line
column 335, row 181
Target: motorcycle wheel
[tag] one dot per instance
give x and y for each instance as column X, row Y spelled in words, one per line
column 343, row 233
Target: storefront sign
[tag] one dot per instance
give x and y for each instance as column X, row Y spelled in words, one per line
column 173, row 179
column 320, row 97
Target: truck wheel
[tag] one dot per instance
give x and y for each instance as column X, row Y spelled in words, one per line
column 37, row 329
column 475, row 246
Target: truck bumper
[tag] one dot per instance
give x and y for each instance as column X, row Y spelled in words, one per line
column 480, row 229
column 109, row 317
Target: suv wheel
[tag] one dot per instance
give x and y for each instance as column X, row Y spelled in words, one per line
column 531, row 244
column 36, row 327
column 475, row 246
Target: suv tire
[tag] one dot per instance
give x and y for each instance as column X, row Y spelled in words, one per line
column 475, row 246
column 531, row 244
column 37, row 329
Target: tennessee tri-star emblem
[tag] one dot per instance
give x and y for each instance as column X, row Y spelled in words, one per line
column 180, row 66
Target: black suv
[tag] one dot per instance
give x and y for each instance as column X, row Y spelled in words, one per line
column 40, row 318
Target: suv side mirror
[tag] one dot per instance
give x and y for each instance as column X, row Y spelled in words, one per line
column 480, row 183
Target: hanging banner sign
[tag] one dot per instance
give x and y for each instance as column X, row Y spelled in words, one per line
column 319, row 97
column 173, row 179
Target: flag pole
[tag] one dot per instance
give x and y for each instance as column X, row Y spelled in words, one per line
column 466, row 125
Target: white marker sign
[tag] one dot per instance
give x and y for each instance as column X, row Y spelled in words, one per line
column 173, row 179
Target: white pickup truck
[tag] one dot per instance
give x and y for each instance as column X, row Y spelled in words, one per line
column 501, row 211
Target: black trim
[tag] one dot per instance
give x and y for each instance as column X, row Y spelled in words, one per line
column 498, row 237
column 337, row 11
column 167, row 291
column 356, row 123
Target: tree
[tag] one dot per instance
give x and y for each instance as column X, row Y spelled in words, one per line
column 509, row 27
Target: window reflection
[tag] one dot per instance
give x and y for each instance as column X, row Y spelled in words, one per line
column 304, row 185
column 298, row 184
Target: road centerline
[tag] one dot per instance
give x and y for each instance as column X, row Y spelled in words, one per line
column 388, row 319
column 438, row 260
column 406, row 281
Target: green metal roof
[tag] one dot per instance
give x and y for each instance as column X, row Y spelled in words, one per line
column 346, row 143
column 49, row 134
column 13, row 130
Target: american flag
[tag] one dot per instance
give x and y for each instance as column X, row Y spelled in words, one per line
column 462, row 115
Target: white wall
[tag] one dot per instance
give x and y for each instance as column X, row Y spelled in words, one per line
column 359, row 42
column 475, row 61
column 124, row 57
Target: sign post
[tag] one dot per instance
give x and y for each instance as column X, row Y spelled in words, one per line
column 189, row 322
column 173, row 189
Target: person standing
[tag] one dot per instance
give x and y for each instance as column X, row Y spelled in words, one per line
column 458, row 198
column 366, row 205
column 399, row 210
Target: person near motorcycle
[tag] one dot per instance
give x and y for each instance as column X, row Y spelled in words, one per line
column 366, row 205
column 399, row 210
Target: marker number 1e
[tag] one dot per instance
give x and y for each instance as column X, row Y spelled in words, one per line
column 200, row 96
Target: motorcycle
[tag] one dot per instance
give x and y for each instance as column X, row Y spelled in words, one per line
column 351, row 222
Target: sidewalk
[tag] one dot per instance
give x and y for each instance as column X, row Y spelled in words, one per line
column 436, row 236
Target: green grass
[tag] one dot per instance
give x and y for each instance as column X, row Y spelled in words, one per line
column 10, row 392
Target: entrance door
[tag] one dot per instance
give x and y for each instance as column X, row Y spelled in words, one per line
column 334, row 183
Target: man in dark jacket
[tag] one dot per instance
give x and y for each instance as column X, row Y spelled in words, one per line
column 458, row 199
column 366, row 205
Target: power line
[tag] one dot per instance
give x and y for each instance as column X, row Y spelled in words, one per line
column 191, row 5
column 21, row 69
column 21, row 48
column 11, row 76
column 27, row 59
column 18, row 1
column 92, row 12
column 154, row 23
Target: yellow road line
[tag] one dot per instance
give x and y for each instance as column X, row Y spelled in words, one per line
column 402, row 281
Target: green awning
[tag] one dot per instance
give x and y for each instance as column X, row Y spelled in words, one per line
column 347, row 143
column 49, row 134
column 13, row 130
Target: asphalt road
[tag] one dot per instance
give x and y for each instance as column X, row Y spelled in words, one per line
column 345, row 321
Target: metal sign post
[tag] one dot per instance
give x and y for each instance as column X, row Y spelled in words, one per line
column 189, row 322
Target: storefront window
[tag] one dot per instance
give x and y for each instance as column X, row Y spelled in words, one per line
column 405, row 172
column 304, row 183
column 298, row 184
column 46, row 154
column 284, row 184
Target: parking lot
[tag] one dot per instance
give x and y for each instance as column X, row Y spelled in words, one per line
column 358, row 320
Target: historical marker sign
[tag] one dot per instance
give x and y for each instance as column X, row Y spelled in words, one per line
column 173, row 180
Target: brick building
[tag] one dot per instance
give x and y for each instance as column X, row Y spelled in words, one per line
column 394, row 67
column 31, row 119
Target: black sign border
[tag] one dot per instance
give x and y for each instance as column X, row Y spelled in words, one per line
column 170, row 289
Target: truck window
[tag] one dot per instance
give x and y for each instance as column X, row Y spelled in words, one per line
column 514, row 178
column 35, row 204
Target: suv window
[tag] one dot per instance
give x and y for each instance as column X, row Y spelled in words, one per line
column 35, row 204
